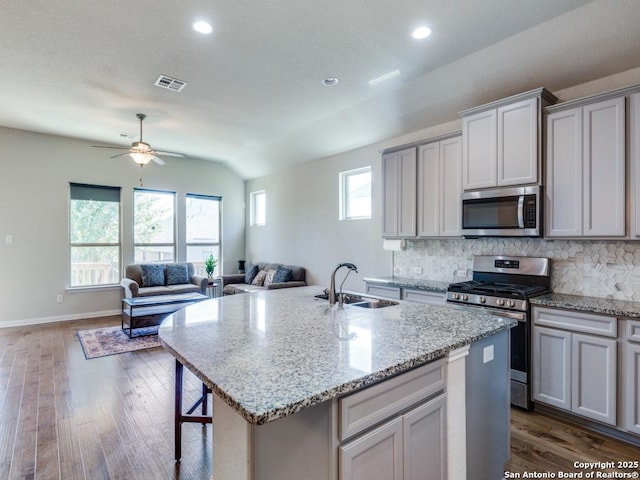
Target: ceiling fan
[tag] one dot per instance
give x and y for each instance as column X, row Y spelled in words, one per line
column 141, row 152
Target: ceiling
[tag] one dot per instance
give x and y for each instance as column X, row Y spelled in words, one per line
column 255, row 99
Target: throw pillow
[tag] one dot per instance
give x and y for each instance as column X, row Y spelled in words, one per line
column 269, row 279
column 282, row 275
column 258, row 280
column 152, row 274
column 252, row 271
column 176, row 273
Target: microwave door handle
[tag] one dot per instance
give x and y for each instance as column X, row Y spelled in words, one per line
column 521, row 211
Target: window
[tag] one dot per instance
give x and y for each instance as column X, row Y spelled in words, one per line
column 203, row 231
column 258, row 208
column 355, row 194
column 153, row 226
column 94, row 235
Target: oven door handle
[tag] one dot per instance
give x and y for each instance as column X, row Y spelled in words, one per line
column 521, row 211
column 519, row 316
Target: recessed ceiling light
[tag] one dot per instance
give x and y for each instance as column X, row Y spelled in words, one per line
column 384, row 77
column 421, row 32
column 330, row 81
column 202, row 27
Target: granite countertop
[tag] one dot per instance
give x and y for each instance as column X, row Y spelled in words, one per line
column 406, row 282
column 602, row 306
column 273, row 353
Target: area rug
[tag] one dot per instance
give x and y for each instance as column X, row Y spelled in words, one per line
column 101, row 342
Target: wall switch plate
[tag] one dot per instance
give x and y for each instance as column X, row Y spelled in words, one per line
column 8, row 239
column 461, row 273
column 417, row 270
column 487, row 354
column 59, row 298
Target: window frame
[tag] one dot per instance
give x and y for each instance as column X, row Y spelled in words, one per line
column 72, row 245
column 253, row 221
column 344, row 197
column 174, row 224
column 199, row 266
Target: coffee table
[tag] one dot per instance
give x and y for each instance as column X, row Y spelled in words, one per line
column 153, row 305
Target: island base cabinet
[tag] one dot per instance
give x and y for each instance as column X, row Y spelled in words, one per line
column 411, row 447
column 377, row 454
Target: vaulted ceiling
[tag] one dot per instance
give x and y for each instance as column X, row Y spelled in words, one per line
column 254, row 98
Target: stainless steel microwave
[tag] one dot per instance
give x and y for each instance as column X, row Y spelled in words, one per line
column 502, row 212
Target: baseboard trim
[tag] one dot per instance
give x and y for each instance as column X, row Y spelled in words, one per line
column 58, row 318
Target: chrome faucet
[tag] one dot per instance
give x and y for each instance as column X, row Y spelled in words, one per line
column 332, row 286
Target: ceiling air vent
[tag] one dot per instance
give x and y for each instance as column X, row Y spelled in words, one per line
column 170, row 83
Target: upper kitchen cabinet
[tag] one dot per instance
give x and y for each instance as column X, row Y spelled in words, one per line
column 501, row 141
column 440, row 188
column 585, row 171
column 634, row 153
column 399, row 193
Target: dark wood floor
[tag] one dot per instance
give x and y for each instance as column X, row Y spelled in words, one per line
column 64, row 417
column 540, row 443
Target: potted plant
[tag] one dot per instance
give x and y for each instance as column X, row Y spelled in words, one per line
column 210, row 265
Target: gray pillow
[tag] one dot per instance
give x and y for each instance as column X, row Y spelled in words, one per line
column 152, row 274
column 282, row 275
column 176, row 273
column 251, row 274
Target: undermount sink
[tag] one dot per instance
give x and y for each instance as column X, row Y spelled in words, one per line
column 361, row 301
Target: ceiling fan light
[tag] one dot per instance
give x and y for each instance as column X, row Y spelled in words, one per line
column 141, row 158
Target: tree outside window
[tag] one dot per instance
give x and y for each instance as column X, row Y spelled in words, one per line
column 94, row 235
column 154, row 226
column 203, row 215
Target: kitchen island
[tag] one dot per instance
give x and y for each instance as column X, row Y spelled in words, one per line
column 289, row 373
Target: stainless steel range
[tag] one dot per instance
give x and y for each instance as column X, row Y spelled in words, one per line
column 503, row 286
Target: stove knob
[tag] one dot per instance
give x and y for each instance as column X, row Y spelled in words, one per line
column 465, row 297
column 500, row 302
column 455, row 296
column 482, row 300
column 511, row 303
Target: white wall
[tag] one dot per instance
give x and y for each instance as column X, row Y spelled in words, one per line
column 303, row 227
column 35, row 171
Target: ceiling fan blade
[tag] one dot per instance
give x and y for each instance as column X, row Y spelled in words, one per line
column 104, row 146
column 158, row 160
column 120, row 155
column 172, row 154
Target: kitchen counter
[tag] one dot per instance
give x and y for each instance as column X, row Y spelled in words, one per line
column 271, row 354
column 406, row 282
column 602, row 306
column 281, row 362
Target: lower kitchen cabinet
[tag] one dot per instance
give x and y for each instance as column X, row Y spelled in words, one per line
column 378, row 454
column 386, row 291
column 632, row 377
column 423, row 296
column 572, row 370
column 409, row 447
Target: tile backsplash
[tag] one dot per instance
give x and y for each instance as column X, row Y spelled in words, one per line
column 607, row 269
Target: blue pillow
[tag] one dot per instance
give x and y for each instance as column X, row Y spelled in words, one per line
column 176, row 273
column 251, row 274
column 152, row 274
column 282, row 275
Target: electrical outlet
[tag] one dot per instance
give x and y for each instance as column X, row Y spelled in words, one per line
column 487, row 354
column 417, row 270
column 59, row 298
column 461, row 273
